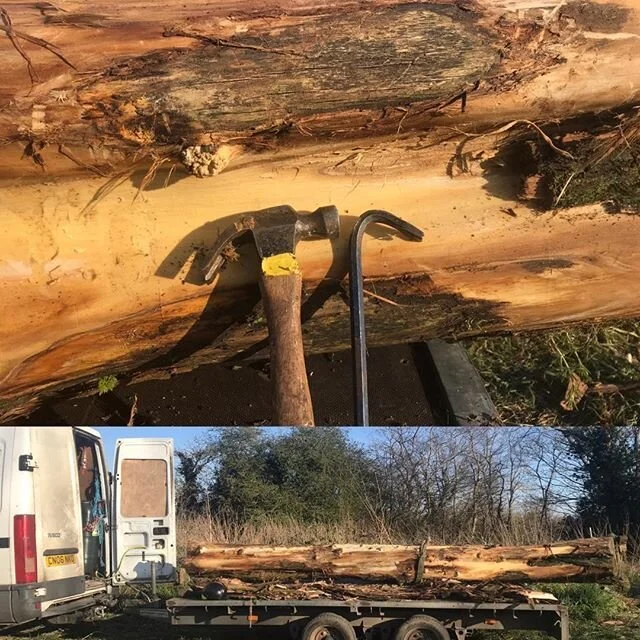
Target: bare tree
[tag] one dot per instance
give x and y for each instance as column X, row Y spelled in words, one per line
column 470, row 484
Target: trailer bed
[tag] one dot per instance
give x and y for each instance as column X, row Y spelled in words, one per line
column 374, row 618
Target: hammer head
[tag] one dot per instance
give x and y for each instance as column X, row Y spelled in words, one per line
column 276, row 230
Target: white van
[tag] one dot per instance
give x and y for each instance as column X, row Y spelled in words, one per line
column 69, row 529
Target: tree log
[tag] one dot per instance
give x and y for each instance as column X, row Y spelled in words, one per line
column 89, row 85
column 295, row 589
column 588, row 560
column 362, row 106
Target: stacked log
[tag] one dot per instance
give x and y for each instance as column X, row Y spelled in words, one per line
column 585, row 560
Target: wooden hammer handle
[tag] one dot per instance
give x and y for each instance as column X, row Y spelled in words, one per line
column 291, row 402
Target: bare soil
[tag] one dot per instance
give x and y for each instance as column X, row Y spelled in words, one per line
column 219, row 395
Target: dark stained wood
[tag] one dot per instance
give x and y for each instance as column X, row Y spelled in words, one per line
column 92, row 86
column 208, row 78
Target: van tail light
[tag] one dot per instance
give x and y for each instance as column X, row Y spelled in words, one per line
column 24, row 548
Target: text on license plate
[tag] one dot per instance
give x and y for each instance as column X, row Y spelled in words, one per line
column 59, row 560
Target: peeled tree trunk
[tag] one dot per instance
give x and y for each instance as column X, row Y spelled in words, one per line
column 131, row 137
column 588, row 560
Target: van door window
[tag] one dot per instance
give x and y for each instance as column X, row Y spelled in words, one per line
column 147, row 499
column 92, row 502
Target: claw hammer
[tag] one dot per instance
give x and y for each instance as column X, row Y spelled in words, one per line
column 276, row 232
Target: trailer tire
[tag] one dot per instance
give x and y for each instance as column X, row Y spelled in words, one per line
column 429, row 629
column 328, row 626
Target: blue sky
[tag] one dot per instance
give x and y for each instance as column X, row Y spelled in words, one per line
column 183, row 436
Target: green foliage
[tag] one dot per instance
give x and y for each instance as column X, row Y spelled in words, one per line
column 256, row 320
column 610, row 474
column 143, row 592
column 628, row 630
column 589, row 605
column 306, row 474
column 239, row 485
column 633, row 581
column 106, row 384
column 614, row 179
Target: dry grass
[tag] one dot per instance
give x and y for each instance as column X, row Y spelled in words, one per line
column 194, row 530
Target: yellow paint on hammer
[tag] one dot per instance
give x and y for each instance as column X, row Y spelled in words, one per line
column 283, row 264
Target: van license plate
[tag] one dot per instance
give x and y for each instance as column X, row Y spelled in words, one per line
column 58, row 561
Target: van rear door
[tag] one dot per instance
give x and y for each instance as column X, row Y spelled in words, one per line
column 144, row 511
column 58, row 524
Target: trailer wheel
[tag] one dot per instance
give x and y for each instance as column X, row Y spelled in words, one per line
column 421, row 628
column 328, row 626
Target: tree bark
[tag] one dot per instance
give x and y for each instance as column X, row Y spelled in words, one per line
column 104, row 132
column 112, row 83
column 588, row 560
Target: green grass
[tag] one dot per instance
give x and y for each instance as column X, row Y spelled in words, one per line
column 614, row 179
column 143, row 592
column 596, row 613
column 589, row 602
column 528, row 375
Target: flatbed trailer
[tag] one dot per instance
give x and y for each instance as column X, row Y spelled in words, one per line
column 369, row 619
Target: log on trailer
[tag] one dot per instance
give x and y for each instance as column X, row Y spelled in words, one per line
column 108, row 115
column 295, row 589
column 587, row 560
column 348, row 590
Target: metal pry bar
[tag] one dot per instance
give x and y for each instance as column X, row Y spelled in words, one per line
column 356, row 295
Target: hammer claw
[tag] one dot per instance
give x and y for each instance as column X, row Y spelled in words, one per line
column 219, row 248
column 275, row 230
